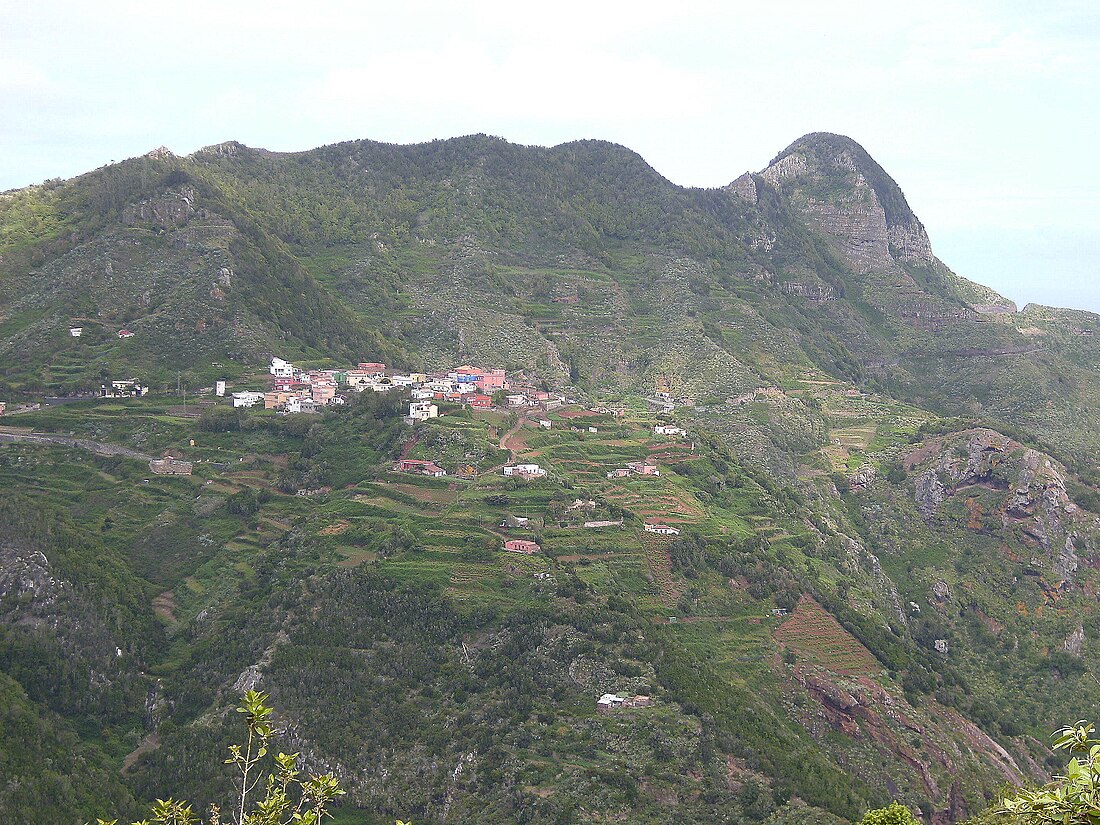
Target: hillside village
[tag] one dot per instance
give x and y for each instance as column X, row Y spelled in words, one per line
column 295, row 390
column 702, row 498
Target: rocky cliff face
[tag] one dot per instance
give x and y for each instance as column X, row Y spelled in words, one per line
column 842, row 192
column 1007, row 489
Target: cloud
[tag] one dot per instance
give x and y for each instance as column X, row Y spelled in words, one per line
column 538, row 83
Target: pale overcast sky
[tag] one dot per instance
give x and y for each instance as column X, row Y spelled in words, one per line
column 986, row 114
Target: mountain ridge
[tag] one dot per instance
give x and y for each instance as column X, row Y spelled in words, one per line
column 886, row 492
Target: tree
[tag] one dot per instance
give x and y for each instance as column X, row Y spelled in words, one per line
column 893, row 814
column 288, row 798
column 1071, row 799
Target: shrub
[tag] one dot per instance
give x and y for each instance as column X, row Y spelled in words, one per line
column 287, row 797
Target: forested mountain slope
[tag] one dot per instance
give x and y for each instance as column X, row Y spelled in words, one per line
column 886, row 578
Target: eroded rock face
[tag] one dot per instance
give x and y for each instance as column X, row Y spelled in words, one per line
column 1075, row 642
column 841, row 191
column 744, row 188
column 929, row 492
column 1022, row 491
column 170, row 209
column 28, row 588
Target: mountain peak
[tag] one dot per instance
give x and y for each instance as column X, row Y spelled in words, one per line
column 228, row 148
column 839, row 157
column 843, row 191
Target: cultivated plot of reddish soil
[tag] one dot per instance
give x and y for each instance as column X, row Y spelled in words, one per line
column 577, row 414
column 334, row 529
column 660, row 566
column 817, row 638
column 432, row 494
column 148, row 744
column 657, row 504
column 165, row 606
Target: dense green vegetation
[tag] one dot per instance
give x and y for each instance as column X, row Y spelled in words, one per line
column 873, row 591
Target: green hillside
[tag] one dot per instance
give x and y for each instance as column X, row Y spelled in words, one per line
column 883, row 585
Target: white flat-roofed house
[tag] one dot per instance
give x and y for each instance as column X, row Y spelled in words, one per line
column 525, row 471
column 280, row 368
column 422, row 411
column 609, row 702
column 247, row 398
column 661, row 529
column 668, row 429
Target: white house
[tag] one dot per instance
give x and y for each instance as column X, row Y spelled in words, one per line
column 123, row 389
column 247, row 398
column 609, row 701
column 530, row 470
column 76, row 331
column 661, row 529
column 219, row 388
column 300, row 404
column 421, row 394
column 280, row 368
column 423, row 410
column 546, row 423
column 668, row 429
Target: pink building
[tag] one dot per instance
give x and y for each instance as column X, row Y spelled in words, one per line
column 372, row 367
column 521, row 546
column 323, row 392
column 492, row 380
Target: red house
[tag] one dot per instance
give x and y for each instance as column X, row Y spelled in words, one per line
column 521, row 546
column 481, row 402
column 425, row 468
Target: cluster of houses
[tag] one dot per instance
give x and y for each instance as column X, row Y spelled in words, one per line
column 123, row 389
column 299, row 390
column 636, row 468
column 424, row 468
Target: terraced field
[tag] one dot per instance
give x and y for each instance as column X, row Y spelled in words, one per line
column 818, row 639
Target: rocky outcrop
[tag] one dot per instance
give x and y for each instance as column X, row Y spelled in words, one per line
column 843, row 193
column 744, row 188
column 1074, row 644
column 1009, row 487
column 29, row 591
column 169, row 209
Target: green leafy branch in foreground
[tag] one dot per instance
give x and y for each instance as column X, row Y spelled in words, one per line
column 1072, row 799
column 288, row 798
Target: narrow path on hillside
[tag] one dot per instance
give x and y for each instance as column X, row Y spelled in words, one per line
column 13, row 436
column 405, row 450
column 504, row 439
